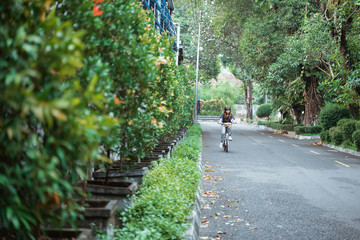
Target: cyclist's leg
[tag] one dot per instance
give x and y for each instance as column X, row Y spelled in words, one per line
column 229, row 130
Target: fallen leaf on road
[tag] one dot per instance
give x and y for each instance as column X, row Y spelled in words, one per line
column 205, row 226
column 226, row 216
column 220, row 232
column 239, row 220
column 204, row 221
column 236, row 207
column 204, row 237
column 217, row 214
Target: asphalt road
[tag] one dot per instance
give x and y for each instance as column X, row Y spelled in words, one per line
column 273, row 187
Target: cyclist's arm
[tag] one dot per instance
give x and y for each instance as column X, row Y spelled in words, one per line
column 221, row 119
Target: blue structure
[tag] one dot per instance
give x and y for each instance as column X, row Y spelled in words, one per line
column 162, row 10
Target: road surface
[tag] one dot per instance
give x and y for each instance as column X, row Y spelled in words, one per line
column 273, row 187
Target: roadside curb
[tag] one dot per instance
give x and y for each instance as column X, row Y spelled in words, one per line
column 299, row 137
column 192, row 233
column 344, row 150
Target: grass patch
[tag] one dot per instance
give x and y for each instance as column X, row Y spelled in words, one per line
column 309, row 134
column 166, row 198
column 351, row 146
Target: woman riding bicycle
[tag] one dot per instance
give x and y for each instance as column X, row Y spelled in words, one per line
column 226, row 117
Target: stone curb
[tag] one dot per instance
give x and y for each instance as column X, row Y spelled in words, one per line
column 192, row 233
column 344, row 150
column 299, row 137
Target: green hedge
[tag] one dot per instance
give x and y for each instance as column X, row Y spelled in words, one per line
column 336, row 135
column 279, row 126
column 348, row 128
column 264, row 110
column 166, row 197
column 308, row 129
column 261, row 122
column 325, row 136
column 331, row 114
column 356, row 139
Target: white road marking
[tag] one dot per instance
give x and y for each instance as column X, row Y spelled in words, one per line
column 281, row 140
column 315, row 152
column 295, row 145
column 345, row 165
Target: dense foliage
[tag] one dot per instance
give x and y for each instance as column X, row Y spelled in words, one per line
column 264, row 110
column 331, row 114
column 308, row 129
column 78, row 78
column 303, row 54
column 167, row 195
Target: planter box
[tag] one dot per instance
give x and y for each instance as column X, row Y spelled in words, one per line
column 100, row 215
column 130, row 165
column 114, row 175
column 120, row 191
column 69, row 234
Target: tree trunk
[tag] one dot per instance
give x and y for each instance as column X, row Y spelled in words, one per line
column 313, row 100
column 297, row 110
column 248, row 99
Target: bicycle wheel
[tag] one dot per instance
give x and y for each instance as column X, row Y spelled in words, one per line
column 226, row 147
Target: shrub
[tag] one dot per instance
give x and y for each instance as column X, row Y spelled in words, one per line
column 356, row 139
column 48, row 134
column 325, row 136
column 166, row 197
column 212, row 107
column 307, row 129
column 279, row 126
column 261, row 122
column 331, row 114
column 264, row 110
column 336, row 135
column 348, row 128
column 343, row 121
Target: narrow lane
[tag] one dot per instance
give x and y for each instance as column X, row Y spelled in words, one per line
column 272, row 187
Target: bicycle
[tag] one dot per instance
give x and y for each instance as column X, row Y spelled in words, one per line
column 226, row 140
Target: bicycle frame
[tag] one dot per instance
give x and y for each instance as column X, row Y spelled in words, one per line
column 226, row 140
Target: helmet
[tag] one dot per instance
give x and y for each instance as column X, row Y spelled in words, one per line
column 227, row 108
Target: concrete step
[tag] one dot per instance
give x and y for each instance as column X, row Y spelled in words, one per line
column 208, row 118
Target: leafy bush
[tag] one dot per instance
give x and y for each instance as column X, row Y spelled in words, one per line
column 261, row 122
column 331, row 114
column 150, row 95
column 348, row 128
column 343, row 121
column 264, row 110
column 325, row 136
column 222, row 91
column 166, row 197
column 279, row 126
column 336, row 135
column 48, row 134
column 307, row 129
column 356, row 139
column 212, row 107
